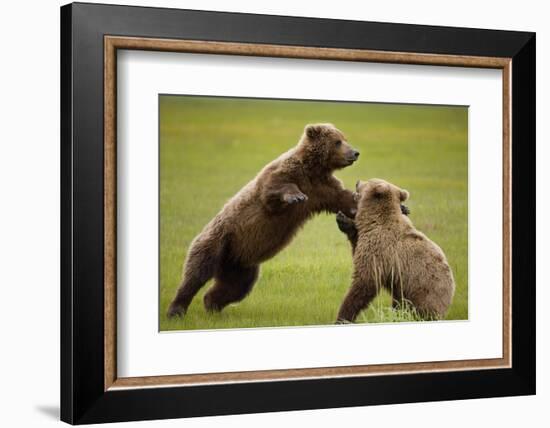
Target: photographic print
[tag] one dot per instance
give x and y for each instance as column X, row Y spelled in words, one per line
column 329, row 205
column 279, row 213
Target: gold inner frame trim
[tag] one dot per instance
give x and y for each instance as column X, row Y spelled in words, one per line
column 113, row 43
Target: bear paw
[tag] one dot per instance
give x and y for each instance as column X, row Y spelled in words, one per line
column 175, row 311
column 294, row 198
column 345, row 224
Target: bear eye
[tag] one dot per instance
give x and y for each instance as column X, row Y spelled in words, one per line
column 338, row 143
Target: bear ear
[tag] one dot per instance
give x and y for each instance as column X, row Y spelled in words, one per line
column 312, row 131
column 380, row 190
column 359, row 185
column 403, row 195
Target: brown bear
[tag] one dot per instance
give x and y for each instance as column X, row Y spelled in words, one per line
column 263, row 217
column 389, row 252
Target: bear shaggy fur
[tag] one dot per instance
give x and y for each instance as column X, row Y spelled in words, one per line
column 262, row 218
column 389, row 252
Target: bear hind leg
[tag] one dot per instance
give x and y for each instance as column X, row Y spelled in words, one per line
column 233, row 284
column 200, row 267
column 358, row 298
column 429, row 307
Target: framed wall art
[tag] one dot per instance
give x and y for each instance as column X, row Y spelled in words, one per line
column 265, row 213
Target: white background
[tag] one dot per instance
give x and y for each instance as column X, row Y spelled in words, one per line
column 142, row 351
column 29, row 226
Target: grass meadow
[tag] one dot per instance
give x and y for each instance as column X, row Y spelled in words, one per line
column 211, row 147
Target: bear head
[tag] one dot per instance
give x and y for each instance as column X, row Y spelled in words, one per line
column 379, row 197
column 323, row 146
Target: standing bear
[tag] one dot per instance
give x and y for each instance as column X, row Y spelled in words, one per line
column 263, row 217
column 389, row 252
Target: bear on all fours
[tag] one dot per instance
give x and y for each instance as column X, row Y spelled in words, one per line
column 263, row 217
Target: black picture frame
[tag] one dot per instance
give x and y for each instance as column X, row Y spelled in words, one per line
column 83, row 398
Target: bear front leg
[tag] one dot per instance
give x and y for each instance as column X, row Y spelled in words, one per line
column 294, row 197
column 346, row 203
column 279, row 196
column 347, row 226
column 337, row 198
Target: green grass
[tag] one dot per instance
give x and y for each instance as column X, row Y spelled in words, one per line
column 211, row 147
column 381, row 313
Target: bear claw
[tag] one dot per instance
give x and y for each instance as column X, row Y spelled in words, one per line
column 294, row 199
column 175, row 311
column 345, row 224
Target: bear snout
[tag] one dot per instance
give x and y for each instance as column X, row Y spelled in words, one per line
column 351, row 156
